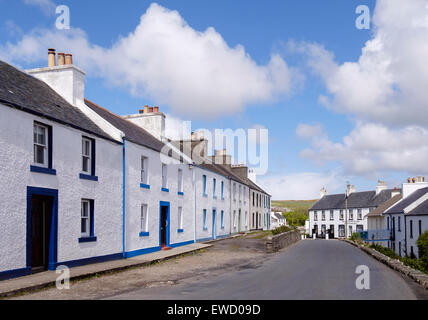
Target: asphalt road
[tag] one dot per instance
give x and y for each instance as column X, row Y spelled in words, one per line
column 310, row 269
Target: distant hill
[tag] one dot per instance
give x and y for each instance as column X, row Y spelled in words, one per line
column 294, row 205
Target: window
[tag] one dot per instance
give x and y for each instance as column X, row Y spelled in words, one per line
column 86, row 218
column 253, row 200
column 315, row 215
column 214, row 188
column 359, row 214
column 41, row 145
column 240, row 191
column 399, row 224
column 342, row 230
column 411, row 229
column 420, row 227
column 180, row 181
column 222, row 190
column 86, row 155
column 387, row 223
column 87, row 221
column 323, row 215
column 246, row 219
column 254, row 218
column 331, row 215
column 341, row 217
column 234, row 192
column 350, row 231
column 234, row 219
column 222, row 219
column 144, row 171
column 351, row 214
column 204, row 184
column 144, row 227
column 164, row 177
column 180, row 218
column 205, row 219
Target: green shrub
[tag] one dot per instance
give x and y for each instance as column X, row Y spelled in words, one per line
column 355, row 236
column 422, row 244
column 412, row 263
column 280, row 230
column 386, row 251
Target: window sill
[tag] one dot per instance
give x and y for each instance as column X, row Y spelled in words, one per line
column 144, row 234
column 180, row 193
column 144, row 186
column 43, row 170
column 88, row 177
column 87, row 239
column 165, row 190
column 180, row 230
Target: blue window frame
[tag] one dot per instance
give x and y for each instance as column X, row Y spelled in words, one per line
column 204, row 182
column 214, row 188
column 222, row 219
column 222, row 190
column 87, row 221
column 205, row 219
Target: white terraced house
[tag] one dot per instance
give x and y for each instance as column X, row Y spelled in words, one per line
column 340, row 215
column 85, row 185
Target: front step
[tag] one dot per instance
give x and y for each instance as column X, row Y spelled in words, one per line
column 166, row 248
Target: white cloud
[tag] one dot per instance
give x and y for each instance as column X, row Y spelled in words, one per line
column 371, row 149
column 300, row 186
column 388, row 83
column 47, row 6
column 194, row 72
column 176, row 128
column 308, row 131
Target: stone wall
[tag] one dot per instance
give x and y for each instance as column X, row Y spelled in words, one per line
column 277, row 242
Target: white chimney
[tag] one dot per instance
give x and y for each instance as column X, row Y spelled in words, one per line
column 323, row 192
column 252, row 175
column 67, row 80
column 381, row 187
column 412, row 185
column 152, row 121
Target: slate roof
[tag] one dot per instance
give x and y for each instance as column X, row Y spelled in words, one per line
column 400, row 206
column 421, row 210
column 365, row 199
column 132, row 132
column 24, row 92
column 384, row 206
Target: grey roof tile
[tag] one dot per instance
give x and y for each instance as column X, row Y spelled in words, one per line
column 421, row 210
column 399, row 207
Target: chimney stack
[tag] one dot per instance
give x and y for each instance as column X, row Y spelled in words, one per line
column 68, row 59
column 61, row 59
column 156, row 109
column 51, row 58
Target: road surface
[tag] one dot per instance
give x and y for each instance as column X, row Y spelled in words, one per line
column 310, row 269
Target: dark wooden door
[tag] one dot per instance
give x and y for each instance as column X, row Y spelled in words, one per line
column 41, row 216
column 164, row 222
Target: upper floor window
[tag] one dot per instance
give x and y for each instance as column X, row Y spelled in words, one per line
column 144, row 170
column 240, row 193
column 399, row 224
column 341, row 217
column 87, row 155
column 351, row 214
column 222, row 189
column 234, row 191
column 411, row 229
column 41, row 145
column 214, row 188
column 180, row 181
column 204, row 182
column 315, row 215
column 323, row 215
column 359, row 214
column 331, row 214
column 164, row 176
column 253, row 199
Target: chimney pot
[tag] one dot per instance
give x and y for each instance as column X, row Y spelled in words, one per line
column 141, row 111
column 61, row 59
column 146, row 109
column 151, row 110
column 51, row 58
column 68, row 59
column 156, row 109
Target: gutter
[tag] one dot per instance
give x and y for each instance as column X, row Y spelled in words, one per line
column 123, row 200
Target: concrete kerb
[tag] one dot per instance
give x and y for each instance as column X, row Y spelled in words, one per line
column 395, row 264
column 84, row 275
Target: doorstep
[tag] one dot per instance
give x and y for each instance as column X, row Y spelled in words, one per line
column 48, row 278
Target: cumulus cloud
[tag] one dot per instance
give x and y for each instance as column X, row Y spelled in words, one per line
column 388, row 83
column 308, row 131
column 194, row 72
column 47, row 6
column 300, row 186
column 371, row 149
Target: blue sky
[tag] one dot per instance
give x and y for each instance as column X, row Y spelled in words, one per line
column 319, row 30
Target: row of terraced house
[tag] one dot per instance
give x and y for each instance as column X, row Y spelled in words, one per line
column 81, row 184
column 393, row 218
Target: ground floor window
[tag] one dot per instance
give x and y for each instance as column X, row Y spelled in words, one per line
column 342, row 230
column 205, row 219
column 180, row 218
column 144, row 218
column 86, row 218
column 360, row 228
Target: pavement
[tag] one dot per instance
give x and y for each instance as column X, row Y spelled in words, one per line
column 47, row 279
column 310, row 269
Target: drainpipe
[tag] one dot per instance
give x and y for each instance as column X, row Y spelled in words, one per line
column 405, row 235
column 194, row 200
column 123, row 200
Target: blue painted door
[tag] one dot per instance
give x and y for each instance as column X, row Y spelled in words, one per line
column 214, row 224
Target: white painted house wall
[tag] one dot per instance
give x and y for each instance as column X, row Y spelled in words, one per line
column 239, row 203
column 209, row 203
column 16, row 143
